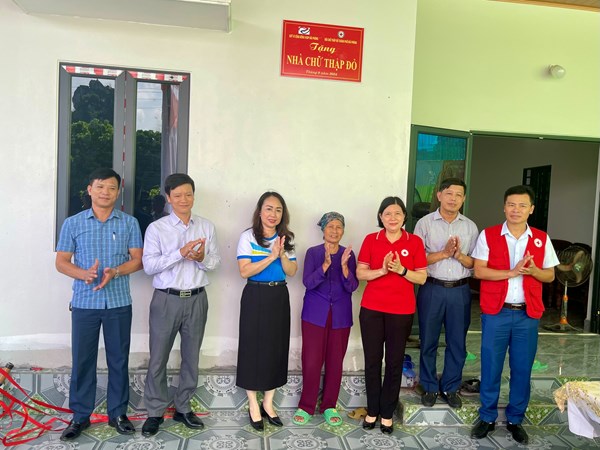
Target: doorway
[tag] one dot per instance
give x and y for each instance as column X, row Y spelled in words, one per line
column 498, row 162
column 539, row 178
column 493, row 162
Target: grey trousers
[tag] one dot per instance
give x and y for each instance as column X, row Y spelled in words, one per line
column 170, row 315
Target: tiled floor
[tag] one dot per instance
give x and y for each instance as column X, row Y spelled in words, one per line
column 224, row 411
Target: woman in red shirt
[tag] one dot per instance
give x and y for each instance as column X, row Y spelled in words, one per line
column 392, row 261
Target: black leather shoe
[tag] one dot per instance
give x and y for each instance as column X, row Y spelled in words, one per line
column 73, row 431
column 258, row 425
column 122, row 424
column 387, row 429
column 189, row 419
column 150, row 427
column 428, row 399
column 275, row 420
column 452, row 398
column 369, row 425
column 481, row 429
column 518, row 433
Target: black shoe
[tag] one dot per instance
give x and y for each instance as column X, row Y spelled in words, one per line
column 258, row 425
column 275, row 420
column 518, row 433
column 150, row 427
column 481, row 429
column 122, row 424
column 189, row 419
column 73, row 431
column 428, row 399
column 452, row 398
column 369, row 425
column 387, row 429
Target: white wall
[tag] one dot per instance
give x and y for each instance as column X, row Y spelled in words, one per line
column 482, row 65
column 498, row 163
column 322, row 144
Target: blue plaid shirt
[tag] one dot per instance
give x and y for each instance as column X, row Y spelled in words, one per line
column 109, row 242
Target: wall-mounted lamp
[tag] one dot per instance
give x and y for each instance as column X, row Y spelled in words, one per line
column 557, row 71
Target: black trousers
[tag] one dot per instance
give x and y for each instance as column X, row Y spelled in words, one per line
column 381, row 331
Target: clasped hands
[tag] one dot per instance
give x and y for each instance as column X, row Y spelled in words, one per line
column 278, row 248
column 524, row 267
column 391, row 263
column 194, row 250
column 452, row 248
column 91, row 275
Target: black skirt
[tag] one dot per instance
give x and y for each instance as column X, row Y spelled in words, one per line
column 264, row 341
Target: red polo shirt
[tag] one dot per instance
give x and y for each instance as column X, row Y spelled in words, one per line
column 391, row 293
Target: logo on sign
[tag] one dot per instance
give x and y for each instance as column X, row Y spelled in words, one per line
column 304, row 30
column 341, row 34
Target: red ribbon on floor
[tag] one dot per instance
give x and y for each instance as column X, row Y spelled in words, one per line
column 30, row 425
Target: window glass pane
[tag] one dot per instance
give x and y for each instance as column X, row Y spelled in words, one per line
column 98, row 108
column 152, row 108
column 438, row 157
column 92, row 129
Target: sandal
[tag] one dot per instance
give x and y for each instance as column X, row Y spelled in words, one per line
column 358, row 413
column 303, row 415
column 539, row 366
column 331, row 414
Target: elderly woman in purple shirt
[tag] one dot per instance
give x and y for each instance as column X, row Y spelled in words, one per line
column 329, row 278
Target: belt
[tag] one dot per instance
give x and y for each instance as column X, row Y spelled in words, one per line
column 448, row 284
column 184, row 293
column 268, row 283
column 514, row 306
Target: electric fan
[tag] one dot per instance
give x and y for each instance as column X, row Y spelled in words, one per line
column 574, row 269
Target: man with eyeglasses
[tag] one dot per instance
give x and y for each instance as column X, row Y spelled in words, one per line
column 512, row 260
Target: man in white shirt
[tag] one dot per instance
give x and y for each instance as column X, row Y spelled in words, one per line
column 179, row 250
column 512, row 260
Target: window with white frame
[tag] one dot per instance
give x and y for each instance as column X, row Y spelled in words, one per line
column 135, row 121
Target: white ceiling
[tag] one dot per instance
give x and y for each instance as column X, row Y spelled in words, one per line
column 213, row 15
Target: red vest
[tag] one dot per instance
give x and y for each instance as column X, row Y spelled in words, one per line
column 493, row 293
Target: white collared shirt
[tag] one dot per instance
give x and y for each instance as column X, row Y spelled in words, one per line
column 162, row 258
column 516, row 251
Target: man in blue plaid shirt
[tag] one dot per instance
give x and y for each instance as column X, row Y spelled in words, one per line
column 99, row 248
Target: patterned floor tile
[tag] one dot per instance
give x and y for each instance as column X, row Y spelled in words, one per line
column 538, row 439
column 228, row 418
column 352, row 392
column 224, row 439
column 220, row 392
column 296, row 439
column 288, row 396
column 375, row 440
column 224, row 408
column 577, row 442
column 433, row 417
column 452, row 438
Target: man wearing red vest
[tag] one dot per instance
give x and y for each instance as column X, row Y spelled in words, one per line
column 512, row 261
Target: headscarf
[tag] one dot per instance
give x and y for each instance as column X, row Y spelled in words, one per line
column 328, row 217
